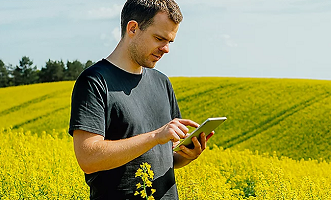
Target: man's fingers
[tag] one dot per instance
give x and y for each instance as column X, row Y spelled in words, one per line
column 203, row 141
column 179, row 132
column 179, row 126
column 209, row 136
column 191, row 154
column 197, row 145
column 183, row 128
column 175, row 138
column 188, row 122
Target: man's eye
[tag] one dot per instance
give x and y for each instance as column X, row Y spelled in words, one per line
column 158, row 39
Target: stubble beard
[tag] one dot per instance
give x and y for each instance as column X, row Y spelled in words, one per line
column 137, row 56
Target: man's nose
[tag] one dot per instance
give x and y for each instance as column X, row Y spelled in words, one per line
column 165, row 48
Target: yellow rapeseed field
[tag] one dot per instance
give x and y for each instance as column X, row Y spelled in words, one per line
column 44, row 167
column 36, row 107
column 290, row 119
column 290, row 116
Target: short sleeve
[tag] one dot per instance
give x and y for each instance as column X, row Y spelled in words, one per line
column 88, row 103
column 175, row 111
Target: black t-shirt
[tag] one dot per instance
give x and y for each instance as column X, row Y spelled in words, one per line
column 109, row 101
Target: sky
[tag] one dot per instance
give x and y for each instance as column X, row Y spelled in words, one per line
column 223, row 38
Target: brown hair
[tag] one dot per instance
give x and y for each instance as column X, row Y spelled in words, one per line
column 143, row 11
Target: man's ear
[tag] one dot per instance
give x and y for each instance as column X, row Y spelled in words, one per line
column 131, row 28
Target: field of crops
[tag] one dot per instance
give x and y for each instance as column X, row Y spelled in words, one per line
column 274, row 144
column 38, row 107
column 44, row 167
column 291, row 117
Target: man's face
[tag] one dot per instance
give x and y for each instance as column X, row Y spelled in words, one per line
column 148, row 46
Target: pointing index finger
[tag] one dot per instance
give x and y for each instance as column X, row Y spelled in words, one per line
column 188, row 122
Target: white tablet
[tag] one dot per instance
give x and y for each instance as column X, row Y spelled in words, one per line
column 207, row 127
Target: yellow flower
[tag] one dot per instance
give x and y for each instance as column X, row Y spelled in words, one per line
column 145, row 173
column 145, row 176
column 150, row 198
column 148, row 166
column 143, row 193
column 151, row 174
column 139, row 172
column 149, row 183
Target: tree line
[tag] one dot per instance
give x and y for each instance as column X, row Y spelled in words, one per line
column 25, row 73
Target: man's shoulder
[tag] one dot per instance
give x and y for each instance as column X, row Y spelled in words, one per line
column 93, row 76
column 96, row 67
column 98, row 70
column 157, row 74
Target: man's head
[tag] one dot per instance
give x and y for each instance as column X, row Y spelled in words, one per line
column 143, row 12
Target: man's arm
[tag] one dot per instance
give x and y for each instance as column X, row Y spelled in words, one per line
column 94, row 153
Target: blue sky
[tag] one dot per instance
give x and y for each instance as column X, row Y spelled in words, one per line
column 232, row 38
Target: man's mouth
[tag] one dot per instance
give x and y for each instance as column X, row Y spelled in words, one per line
column 157, row 57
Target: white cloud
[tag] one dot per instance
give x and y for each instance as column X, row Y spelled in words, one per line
column 96, row 12
column 24, row 13
column 108, row 39
column 228, row 41
column 116, row 34
column 105, row 12
column 40, row 10
column 265, row 7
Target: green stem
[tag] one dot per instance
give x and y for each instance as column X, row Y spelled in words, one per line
column 145, row 171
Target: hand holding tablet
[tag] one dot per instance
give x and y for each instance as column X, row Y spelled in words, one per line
column 207, row 127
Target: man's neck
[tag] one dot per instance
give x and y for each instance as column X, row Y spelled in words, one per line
column 122, row 60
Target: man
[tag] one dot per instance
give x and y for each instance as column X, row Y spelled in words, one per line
column 125, row 113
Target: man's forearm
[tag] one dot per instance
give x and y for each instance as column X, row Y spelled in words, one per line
column 96, row 154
